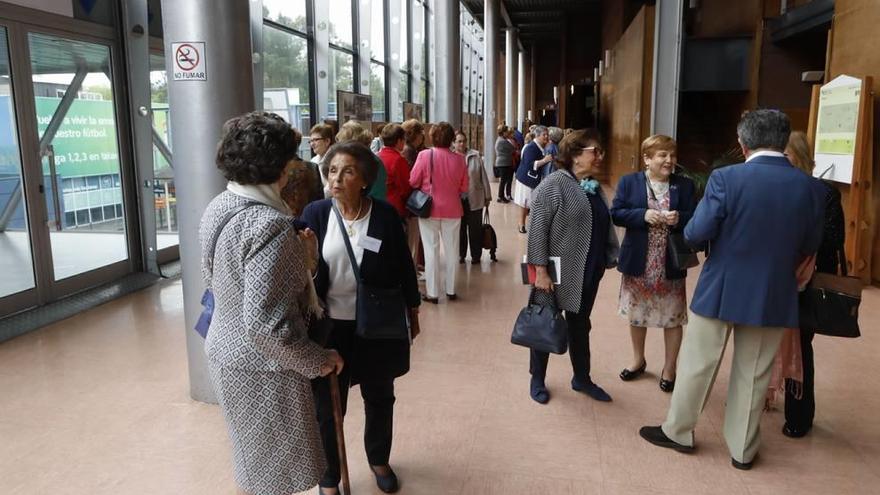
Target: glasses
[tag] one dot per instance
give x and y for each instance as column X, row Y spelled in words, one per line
column 595, row 149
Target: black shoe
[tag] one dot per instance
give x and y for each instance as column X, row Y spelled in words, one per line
column 388, row 483
column 538, row 391
column 475, row 262
column 503, row 201
column 667, row 385
column 494, row 259
column 790, row 432
column 522, row 229
column 321, row 490
column 432, row 300
column 461, row 261
column 627, row 375
column 451, row 297
column 591, row 389
column 745, row 466
column 655, row 435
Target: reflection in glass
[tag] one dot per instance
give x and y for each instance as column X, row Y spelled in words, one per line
column 164, row 195
column 286, row 79
column 341, row 77
column 340, row 22
column 290, row 13
column 16, row 262
column 418, row 39
column 377, row 91
column 404, row 87
column 377, row 31
column 81, row 166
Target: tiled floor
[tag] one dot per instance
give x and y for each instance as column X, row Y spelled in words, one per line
column 98, row 404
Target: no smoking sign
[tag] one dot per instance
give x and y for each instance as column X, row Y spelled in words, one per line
column 189, row 61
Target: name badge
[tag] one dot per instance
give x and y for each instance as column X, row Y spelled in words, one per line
column 370, row 244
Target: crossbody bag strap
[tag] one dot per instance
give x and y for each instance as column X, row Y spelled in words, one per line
column 229, row 216
column 354, row 263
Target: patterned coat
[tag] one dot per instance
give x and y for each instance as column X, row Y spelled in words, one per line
column 259, row 356
column 562, row 225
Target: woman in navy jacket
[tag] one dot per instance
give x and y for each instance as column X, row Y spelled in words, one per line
column 650, row 204
column 376, row 235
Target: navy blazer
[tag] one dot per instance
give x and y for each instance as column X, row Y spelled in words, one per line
column 628, row 210
column 760, row 219
column 391, row 267
column 525, row 173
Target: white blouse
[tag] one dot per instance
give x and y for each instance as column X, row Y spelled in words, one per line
column 342, row 290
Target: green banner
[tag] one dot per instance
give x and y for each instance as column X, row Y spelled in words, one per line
column 85, row 144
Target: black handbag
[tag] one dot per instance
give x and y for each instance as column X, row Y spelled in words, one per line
column 830, row 304
column 419, row 203
column 679, row 252
column 541, row 327
column 490, row 239
column 381, row 312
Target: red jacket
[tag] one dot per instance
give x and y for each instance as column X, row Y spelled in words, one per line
column 397, row 182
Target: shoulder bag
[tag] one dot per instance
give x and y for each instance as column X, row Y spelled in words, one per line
column 679, row 253
column 419, row 202
column 381, row 312
column 541, row 327
column 830, row 303
column 204, row 321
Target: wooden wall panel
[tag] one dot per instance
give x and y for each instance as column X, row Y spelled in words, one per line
column 626, row 96
column 855, row 25
column 718, row 18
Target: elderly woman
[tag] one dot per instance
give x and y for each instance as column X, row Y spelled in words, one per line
column 443, row 174
column 376, row 236
column 357, row 132
column 650, row 204
column 504, row 166
column 570, row 220
column 478, row 197
column 534, row 156
column 259, row 356
column 800, row 399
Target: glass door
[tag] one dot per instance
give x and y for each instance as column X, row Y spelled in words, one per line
column 16, row 252
column 75, row 111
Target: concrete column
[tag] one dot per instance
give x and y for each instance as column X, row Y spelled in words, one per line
column 447, row 44
column 668, row 34
column 491, row 15
column 511, row 57
column 364, row 47
column 322, row 60
column 198, row 111
column 521, row 91
column 417, row 30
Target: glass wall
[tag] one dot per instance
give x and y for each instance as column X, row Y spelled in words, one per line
column 164, row 193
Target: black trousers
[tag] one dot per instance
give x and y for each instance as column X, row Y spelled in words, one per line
column 579, row 327
column 378, row 398
column 799, row 412
column 505, row 187
column 471, row 233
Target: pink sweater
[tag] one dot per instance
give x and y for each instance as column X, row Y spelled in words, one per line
column 445, row 185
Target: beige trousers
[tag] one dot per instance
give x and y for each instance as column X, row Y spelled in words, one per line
column 413, row 239
column 754, row 349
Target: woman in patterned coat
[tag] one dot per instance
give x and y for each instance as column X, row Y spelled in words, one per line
column 570, row 220
column 259, row 356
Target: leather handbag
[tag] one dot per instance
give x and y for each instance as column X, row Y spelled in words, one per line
column 680, row 254
column 381, row 312
column 490, row 240
column 541, row 327
column 830, row 304
column 419, row 203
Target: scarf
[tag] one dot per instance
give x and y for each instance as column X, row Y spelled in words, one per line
column 590, row 185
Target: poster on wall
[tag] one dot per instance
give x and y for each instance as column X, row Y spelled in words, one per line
column 413, row 111
column 354, row 106
column 837, row 128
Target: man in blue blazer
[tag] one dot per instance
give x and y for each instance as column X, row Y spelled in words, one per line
column 759, row 219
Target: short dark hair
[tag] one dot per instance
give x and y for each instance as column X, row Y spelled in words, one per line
column 764, row 128
column 255, row 148
column 392, row 133
column 442, row 135
column 364, row 158
column 573, row 145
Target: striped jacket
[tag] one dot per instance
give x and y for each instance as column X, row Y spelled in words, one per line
column 562, row 225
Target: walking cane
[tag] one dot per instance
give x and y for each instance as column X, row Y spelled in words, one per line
column 340, row 434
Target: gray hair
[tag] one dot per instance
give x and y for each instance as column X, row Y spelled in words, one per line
column 556, row 134
column 539, row 130
column 764, row 128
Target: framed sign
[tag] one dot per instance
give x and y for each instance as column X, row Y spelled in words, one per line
column 354, row 106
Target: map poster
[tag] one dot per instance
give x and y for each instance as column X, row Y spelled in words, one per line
column 837, row 128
